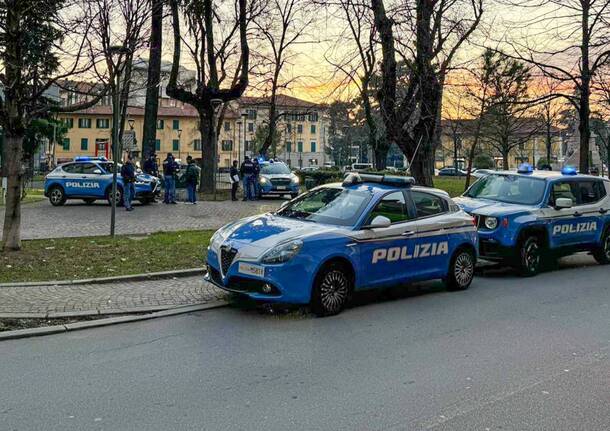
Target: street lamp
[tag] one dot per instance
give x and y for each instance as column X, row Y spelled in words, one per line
column 131, row 123
column 179, row 132
column 116, row 53
column 245, row 117
column 215, row 105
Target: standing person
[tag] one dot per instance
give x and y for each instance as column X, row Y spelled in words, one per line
column 255, row 185
column 234, row 175
column 192, row 178
column 246, row 170
column 150, row 165
column 128, row 173
column 170, row 167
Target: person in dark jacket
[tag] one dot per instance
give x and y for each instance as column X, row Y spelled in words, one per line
column 247, row 170
column 170, row 167
column 150, row 166
column 234, row 177
column 191, row 178
column 128, row 174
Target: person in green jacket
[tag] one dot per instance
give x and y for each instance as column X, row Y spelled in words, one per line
column 192, row 179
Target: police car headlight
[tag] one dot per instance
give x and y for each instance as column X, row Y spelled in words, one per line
column 283, row 252
column 263, row 180
column 295, row 180
column 491, row 223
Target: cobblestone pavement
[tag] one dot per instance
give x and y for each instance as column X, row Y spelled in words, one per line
column 42, row 220
column 129, row 296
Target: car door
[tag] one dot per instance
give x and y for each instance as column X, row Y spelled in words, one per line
column 71, row 178
column 580, row 224
column 432, row 222
column 92, row 180
column 386, row 253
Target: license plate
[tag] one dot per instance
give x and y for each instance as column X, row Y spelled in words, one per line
column 248, row 268
column 281, row 187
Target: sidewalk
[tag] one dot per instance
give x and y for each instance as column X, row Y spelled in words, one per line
column 128, row 297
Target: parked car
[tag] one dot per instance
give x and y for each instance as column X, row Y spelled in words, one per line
column 361, row 167
column 480, row 173
column 451, row 172
column 277, row 179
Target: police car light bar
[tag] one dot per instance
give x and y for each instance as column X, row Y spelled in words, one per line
column 354, row 178
column 569, row 170
column 90, row 158
column 525, row 168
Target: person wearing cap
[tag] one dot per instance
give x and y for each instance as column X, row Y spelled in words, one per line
column 128, row 174
column 150, row 165
column 170, row 167
column 192, row 178
column 247, row 170
column 234, row 178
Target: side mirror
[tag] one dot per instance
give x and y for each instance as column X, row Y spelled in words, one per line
column 97, row 171
column 380, row 221
column 563, row 203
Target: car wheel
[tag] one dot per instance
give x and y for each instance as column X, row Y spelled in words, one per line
column 145, row 201
column 602, row 253
column 461, row 270
column 530, row 256
column 57, row 196
column 118, row 198
column 331, row 290
column 89, row 201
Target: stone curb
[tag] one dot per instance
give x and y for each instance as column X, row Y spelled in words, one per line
column 47, row 330
column 134, row 277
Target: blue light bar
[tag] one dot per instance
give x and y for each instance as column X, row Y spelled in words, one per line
column 525, row 168
column 354, row 178
column 569, row 170
column 90, row 158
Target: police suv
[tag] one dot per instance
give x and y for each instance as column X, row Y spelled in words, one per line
column 371, row 231
column 527, row 218
column 90, row 179
column 275, row 178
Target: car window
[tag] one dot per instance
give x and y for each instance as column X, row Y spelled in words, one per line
column 427, row 204
column 601, row 189
column 392, row 206
column 88, row 168
column 514, row 189
column 565, row 190
column 73, row 168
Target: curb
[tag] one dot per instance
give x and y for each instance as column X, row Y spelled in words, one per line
column 133, row 277
column 47, row 330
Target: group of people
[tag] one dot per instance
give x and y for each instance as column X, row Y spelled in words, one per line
column 248, row 172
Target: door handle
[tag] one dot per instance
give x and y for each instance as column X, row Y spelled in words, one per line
column 408, row 233
column 577, row 214
column 603, row 211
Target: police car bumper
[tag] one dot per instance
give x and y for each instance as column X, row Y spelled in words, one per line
column 493, row 250
column 269, row 283
column 279, row 190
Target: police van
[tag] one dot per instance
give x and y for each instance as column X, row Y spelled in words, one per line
column 529, row 218
column 90, row 179
column 371, row 231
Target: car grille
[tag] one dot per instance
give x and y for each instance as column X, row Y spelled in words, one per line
column 280, row 182
column 216, row 277
column 227, row 254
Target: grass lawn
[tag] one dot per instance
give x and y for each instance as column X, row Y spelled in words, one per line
column 76, row 258
column 33, row 195
column 452, row 185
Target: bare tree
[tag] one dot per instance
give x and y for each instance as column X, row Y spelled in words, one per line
column 32, row 61
column 440, row 28
column 550, row 112
column 576, row 46
column 212, row 59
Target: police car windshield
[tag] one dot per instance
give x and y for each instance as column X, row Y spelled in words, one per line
column 274, row 169
column 514, row 189
column 328, row 205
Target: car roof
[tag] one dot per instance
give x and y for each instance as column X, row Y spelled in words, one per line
column 546, row 175
column 378, row 188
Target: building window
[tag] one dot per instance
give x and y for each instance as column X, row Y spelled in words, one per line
column 175, row 145
column 299, row 128
column 68, row 122
column 84, row 144
column 66, row 144
column 227, row 126
column 84, row 123
column 300, row 146
column 289, row 128
column 197, row 144
column 313, row 117
column 102, row 123
column 288, row 146
column 250, row 127
column 313, row 129
column 160, row 124
column 251, row 114
column 313, row 146
column 176, row 124
column 227, row 145
column 157, row 144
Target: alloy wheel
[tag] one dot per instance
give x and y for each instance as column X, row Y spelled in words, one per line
column 334, row 290
column 463, row 269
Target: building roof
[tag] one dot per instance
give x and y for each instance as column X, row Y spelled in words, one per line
column 281, row 100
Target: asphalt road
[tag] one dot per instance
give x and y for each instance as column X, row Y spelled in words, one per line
column 509, row 354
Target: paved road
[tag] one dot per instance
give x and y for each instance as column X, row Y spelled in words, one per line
column 42, row 220
column 100, row 298
column 509, row 354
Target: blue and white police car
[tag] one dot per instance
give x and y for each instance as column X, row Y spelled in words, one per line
column 528, row 218
column 371, row 231
column 90, row 179
column 275, row 178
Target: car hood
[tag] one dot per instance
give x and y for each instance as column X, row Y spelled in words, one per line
column 487, row 207
column 145, row 177
column 255, row 235
column 271, row 176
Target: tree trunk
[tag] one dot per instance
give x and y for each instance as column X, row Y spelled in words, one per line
column 423, row 165
column 11, row 234
column 206, row 182
column 505, row 161
column 381, row 157
column 584, row 129
column 151, row 106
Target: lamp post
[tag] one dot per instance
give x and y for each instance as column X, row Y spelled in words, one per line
column 179, row 132
column 245, row 117
column 116, row 52
column 215, row 105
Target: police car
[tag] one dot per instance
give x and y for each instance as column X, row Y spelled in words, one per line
column 275, row 178
column 371, row 231
column 527, row 217
column 90, row 179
